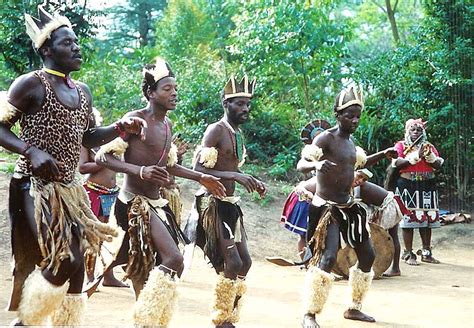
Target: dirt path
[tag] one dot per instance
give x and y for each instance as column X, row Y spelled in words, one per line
column 425, row 296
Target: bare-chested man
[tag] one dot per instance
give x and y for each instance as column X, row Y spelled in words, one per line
column 152, row 233
column 334, row 211
column 220, row 231
column 52, row 224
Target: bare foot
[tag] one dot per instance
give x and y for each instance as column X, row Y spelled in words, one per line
column 357, row 315
column 309, row 321
column 111, row 281
column 392, row 273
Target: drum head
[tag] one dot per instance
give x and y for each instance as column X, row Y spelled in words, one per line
column 383, row 247
column 312, row 129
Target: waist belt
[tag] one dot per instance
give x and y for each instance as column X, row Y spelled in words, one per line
column 417, row 176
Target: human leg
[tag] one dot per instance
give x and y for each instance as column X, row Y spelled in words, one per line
column 426, row 254
column 318, row 279
column 394, row 270
column 44, row 290
column 360, row 279
column 240, row 285
column 156, row 301
column 408, row 256
column 225, row 293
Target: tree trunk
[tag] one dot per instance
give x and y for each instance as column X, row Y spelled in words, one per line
column 393, row 22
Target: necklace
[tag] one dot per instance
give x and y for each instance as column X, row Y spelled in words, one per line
column 166, row 141
column 237, row 141
column 66, row 78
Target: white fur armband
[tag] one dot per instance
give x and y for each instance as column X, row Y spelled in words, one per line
column 361, row 158
column 208, row 157
column 431, row 158
column 7, row 110
column 172, row 156
column 116, row 147
column 312, row 153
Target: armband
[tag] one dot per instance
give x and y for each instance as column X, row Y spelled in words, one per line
column 172, row 156
column 361, row 158
column 7, row 110
column 116, row 147
column 312, row 153
column 208, row 157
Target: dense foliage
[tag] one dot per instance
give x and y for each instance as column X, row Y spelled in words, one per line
column 414, row 59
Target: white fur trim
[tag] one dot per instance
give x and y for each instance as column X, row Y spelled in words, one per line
column 172, row 156
column 208, row 157
column 71, row 312
column 361, row 158
column 224, row 297
column 240, row 290
column 155, row 305
column 413, row 157
column 7, row 110
column 312, row 153
column 359, row 282
column 316, row 289
column 39, row 299
column 117, row 147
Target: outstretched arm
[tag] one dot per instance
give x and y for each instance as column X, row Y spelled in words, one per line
column 388, row 153
column 211, row 183
column 96, row 136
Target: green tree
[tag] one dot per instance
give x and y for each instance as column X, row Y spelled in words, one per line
column 16, row 52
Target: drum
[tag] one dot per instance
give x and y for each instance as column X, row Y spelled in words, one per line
column 383, row 247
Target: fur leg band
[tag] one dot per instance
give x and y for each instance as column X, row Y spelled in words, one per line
column 316, row 289
column 39, row 299
column 240, row 290
column 71, row 311
column 224, row 298
column 155, row 305
column 359, row 282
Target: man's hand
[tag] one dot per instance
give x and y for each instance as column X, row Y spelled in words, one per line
column 325, row 166
column 261, row 189
column 134, row 125
column 156, row 174
column 390, row 153
column 213, row 185
column 250, row 183
column 44, row 165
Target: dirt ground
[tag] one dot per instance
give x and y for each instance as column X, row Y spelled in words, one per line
column 424, row 296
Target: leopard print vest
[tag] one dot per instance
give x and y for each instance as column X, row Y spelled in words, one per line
column 56, row 129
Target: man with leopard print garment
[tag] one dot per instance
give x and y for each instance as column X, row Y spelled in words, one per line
column 52, row 224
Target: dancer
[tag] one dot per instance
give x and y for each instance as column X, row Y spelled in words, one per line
column 52, row 224
column 221, row 232
column 334, row 211
column 150, row 247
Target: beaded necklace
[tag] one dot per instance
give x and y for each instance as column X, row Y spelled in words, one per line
column 166, row 141
column 237, row 140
